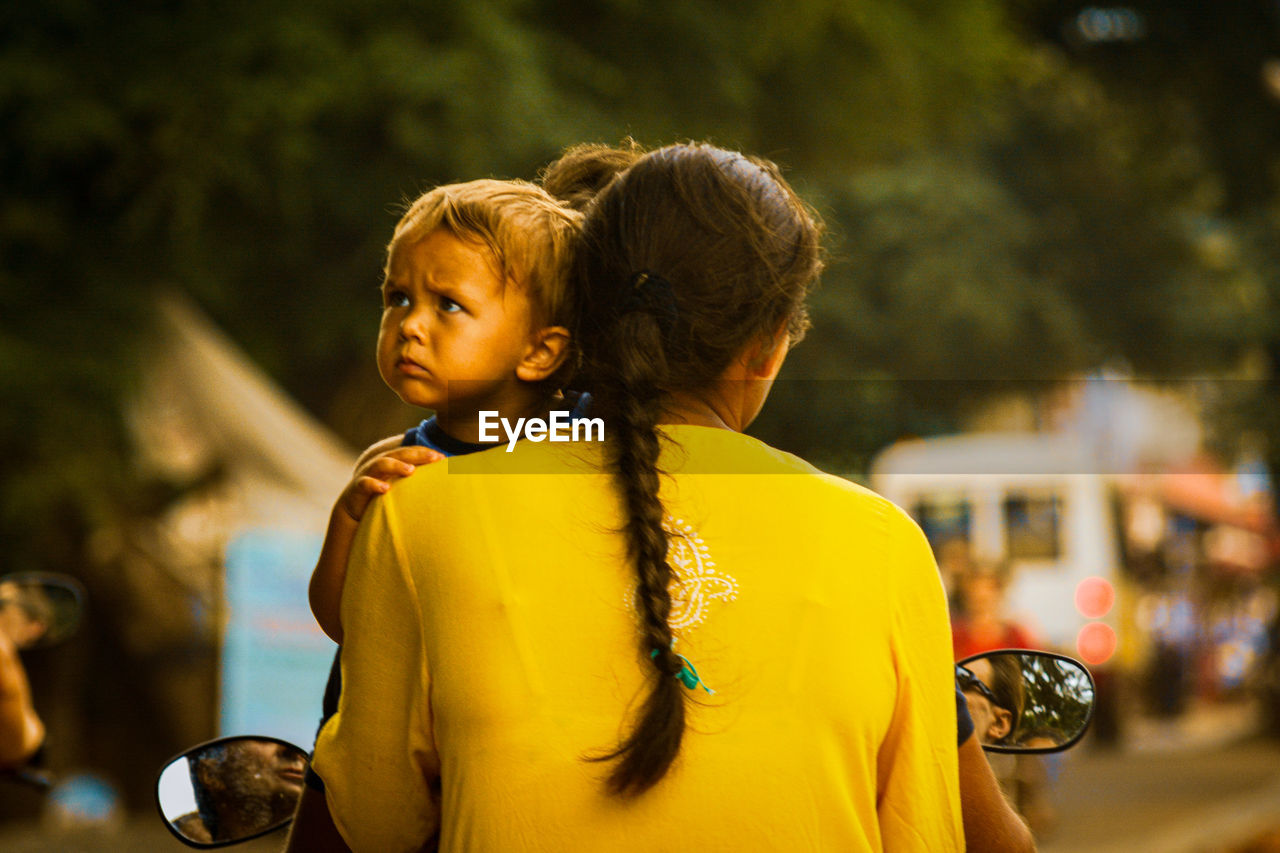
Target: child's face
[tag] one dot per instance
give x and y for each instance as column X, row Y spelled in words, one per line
column 452, row 334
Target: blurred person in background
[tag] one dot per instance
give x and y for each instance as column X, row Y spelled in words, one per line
column 955, row 562
column 980, row 625
column 1033, row 776
column 22, row 624
column 1270, row 679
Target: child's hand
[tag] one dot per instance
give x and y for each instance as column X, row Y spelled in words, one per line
column 375, row 475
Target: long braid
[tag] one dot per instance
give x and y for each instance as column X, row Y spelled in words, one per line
column 631, row 401
column 734, row 252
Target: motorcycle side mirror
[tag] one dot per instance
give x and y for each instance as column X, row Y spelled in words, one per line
column 1027, row 702
column 39, row 608
column 230, row 790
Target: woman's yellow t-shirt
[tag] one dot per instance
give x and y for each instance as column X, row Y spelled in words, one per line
column 491, row 647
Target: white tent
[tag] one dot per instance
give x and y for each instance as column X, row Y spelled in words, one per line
column 205, row 402
column 228, row 560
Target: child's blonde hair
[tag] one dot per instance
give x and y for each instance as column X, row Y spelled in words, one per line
column 530, row 235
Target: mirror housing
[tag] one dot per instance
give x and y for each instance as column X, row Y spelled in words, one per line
column 40, row 609
column 1026, row 701
column 231, row 789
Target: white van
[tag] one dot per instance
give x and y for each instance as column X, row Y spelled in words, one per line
column 1037, row 501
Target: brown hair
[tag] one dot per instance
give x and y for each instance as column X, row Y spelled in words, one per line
column 1008, row 687
column 732, row 253
column 582, row 171
column 530, row 235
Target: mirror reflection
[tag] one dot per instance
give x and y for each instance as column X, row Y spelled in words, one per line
column 1025, row 701
column 231, row 789
column 39, row 609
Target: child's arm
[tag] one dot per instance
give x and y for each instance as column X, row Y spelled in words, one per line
column 378, row 467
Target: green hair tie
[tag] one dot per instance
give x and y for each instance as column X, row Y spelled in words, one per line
column 688, row 675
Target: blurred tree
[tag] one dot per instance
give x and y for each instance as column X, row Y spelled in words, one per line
column 252, row 156
column 931, row 302
column 818, row 84
column 997, row 215
column 1208, row 64
column 1203, row 78
column 1063, row 239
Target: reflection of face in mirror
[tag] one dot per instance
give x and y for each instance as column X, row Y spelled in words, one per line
column 242, row 787
column 994, row 692
column 26, row 612
column 1048, row 699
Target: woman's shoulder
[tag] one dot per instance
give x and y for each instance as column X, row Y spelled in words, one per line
column 711, row 451
column 846, row 496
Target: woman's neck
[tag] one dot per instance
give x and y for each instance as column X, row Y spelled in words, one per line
column 697, row 410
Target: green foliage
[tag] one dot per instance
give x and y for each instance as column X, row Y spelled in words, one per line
column 936, row 278
column 930, row 303
column 1058, row 699
column 253, row 156
column 1073, row 233
column 997, row 214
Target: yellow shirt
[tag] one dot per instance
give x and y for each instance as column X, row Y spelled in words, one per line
column 491, row 646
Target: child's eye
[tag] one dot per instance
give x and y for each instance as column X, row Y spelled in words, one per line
column 448, row 306
column 395, row 298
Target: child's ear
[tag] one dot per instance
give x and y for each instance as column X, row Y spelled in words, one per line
column 547, row 350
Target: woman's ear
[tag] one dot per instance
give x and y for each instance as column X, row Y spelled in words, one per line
column 765, row 357
column 1001, row 723
column 548, row 348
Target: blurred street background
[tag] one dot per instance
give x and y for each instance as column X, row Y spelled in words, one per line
column 1049, row 329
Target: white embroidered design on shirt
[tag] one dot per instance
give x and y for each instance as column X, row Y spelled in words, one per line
column 696, row 583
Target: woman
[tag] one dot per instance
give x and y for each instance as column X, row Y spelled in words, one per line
column 678, row 638
column 979, row 625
